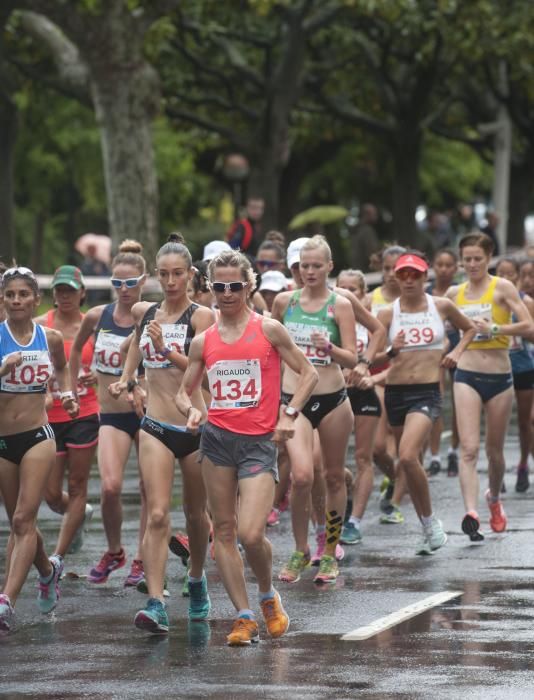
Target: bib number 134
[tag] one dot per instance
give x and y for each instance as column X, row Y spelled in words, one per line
column 235, row 383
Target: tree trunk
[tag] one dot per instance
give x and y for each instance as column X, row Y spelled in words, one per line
column 406, row 152
column 124, row 105
column 8, row 137
column 521, row 196
column 38, row 241
column 264, row 181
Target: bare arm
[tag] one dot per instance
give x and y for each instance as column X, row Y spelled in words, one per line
column 88, row 325
column 59, row 362
column 190, row 386
column 459, row 320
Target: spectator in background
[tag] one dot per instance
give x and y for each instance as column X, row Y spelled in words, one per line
column 245, row 233
column 364, row 238
column 214, row 248
column 490, row 229
column 93, row 267
column 276, row 237
column 464, row 221
column 438, row 227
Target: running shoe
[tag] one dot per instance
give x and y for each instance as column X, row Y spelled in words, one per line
column 153, row 618
column 185, row 586
column 393, row 516
column 276, row 618
column 294, row 567
column 7, row 611
column 199, row 600
column 244, row 632
column 498, row 519
column 109, row 563
column 386, row 494
column 328, row 570
column 522, row 483
column 435, row 534
column 179, row 545
column 471, row 526
column 340, row 552
column 452, row 464
column 283, row 505
column 321, row 542
column 142, row 587
column 48, row 594
column 77, row 540
column 423, row 548
column 273, row 518
column 137, row 574
column 434, row 467
column 350, row 534
column 348, row 511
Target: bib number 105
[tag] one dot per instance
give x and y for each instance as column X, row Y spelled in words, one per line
column 28, row 374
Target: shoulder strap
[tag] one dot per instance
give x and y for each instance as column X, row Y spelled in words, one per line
column 150, row 313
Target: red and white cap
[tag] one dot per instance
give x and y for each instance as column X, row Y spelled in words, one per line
column 414, row 262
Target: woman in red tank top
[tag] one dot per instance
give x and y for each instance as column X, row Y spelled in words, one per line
column 241, row 354
column 76, row 439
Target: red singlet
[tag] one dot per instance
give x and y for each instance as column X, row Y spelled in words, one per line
column 86, row 394
column 244, row 380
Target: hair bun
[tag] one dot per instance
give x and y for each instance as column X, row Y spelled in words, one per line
column 131, row 246
column 176, row 237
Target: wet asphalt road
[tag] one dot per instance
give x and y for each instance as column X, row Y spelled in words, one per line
column 480, row 645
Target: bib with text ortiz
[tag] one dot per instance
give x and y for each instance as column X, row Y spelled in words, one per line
column 174, row 337
column 32, row 375
column 235, row 383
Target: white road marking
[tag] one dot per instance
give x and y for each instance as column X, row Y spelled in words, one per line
column 385, row 623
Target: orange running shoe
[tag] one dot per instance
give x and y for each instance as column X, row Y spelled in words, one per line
column 276, row 618
column 498, row 519
column 244, row 632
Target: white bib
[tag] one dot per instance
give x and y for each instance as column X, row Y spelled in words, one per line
column 301, row 335
column 478, row 312
column 235, row 383
column 174, row 336
column 362, row 338
column 107, row 353
column 423, row 330
column 33, row 373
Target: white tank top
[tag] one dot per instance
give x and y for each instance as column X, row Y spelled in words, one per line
column 423, row 330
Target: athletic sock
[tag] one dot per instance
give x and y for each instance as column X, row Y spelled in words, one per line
column 452, row 451
column 436, row 458
column 193, row 579
column 246, row 613
column 266, row 596
column 427, row 520
column 355, row 521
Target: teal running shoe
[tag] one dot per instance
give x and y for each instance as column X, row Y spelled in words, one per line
column 48, row 594
column 77, row 540
column 350, row 534
column 153, row 618
column 142, row 587
column 199, row 600
column 6, row 613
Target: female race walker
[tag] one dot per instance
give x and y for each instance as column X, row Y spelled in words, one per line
column 29, row 355
column 75, row 439
column 523, row 375
column 483, row 377
column 416, row 328
column 241, row 354
column 322, row 324
column 119, row 424
column 163, row 334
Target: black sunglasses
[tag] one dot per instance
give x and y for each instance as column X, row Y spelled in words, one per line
column 267, row 263
column 221, row 287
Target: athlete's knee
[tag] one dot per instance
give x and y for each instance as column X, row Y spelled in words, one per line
column 408, row 462
column 225, row 530
column 253, row 536
column 158, row 519
column 23, row 524
column 111, row 489
column 470, row 453
column 77, row 486
column 363, row 460
column 301, row 481
column 335, row 479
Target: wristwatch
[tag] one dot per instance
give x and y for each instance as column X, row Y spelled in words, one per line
column 391, row 352
column 291, row 411
column 130, row 384
column 495, row 328
column 364, row 360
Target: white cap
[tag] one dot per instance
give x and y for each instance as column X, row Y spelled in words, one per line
column 213, row 248
column 293, row 251
column 273, row 281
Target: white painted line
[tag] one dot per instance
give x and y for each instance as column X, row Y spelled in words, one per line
column 385, row 623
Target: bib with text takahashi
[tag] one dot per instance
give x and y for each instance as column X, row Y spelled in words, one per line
column 174, row 337
column 235, row 383
column 301, row 335
column 32, row 375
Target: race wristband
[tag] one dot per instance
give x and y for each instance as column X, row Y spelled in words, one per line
column 130, row 384
column 363, row 360
column 166, row 351
column 66, row 395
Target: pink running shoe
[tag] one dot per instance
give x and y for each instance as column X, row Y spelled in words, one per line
column 273, row 518
column 109, row 563
column 498, row 519
column 340, row 552
column 137, row 573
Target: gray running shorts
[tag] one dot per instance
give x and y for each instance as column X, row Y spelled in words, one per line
column 249, row 454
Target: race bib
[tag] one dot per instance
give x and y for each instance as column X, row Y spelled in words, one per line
column 107, row 353
column 32, row 375
column 235, row 383
column 478, row 312
column 301, row 335
column 418, row 330
column 362, row 338
column 174, row 336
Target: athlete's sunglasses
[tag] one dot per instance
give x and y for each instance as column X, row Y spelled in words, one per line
column 267, row 263
column 221, row 287
column 129, row 283
column 408, row 273
column 21, row 271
